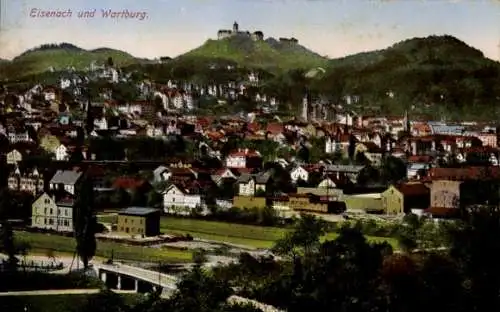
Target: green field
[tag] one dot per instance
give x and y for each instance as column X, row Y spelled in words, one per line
column 251, row 236
column 40, row 243
column 53, row 303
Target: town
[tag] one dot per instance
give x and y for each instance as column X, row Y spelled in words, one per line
column 150, row 183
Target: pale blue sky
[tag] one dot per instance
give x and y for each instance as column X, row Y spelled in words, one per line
column 330, row 27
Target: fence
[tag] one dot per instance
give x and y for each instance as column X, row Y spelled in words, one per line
column 38, row 266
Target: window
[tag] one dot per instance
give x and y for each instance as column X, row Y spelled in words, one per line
column 51, row 211
column 140, row 221
column 127, row 230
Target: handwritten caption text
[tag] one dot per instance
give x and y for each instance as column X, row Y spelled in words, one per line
column 92, row 13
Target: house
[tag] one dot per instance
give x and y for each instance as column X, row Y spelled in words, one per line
column 178, row 199
column 16, row 136
column 139, row 221
column 14, row 157
column 453, row 189
column 244, row 158
column 417, row 170
column 246, row 185
column 350, row 171
column 371, row 151
column 405, row 198
column 61, row 153
column 249, row 202
column 281, row 205
column 309, row 203
column 65, row 179
column 364, row 203
column 53, row 211
column 262, row 180
column 299, row 173
column 30, row 181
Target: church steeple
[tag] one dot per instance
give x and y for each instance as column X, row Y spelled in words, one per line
column 406, row 122
column 235, row 27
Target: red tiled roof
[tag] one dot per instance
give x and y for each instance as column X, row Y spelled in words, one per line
column 413, row 189
column 244, row 152
column 253, row 126
column 128, row 183
column 480, row 149
column 274, row 128
column 420, row 159
column 462, row 174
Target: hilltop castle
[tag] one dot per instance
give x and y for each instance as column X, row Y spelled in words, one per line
column 226, row 33
column 255, row 36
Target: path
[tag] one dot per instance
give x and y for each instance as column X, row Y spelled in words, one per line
column 53, row 292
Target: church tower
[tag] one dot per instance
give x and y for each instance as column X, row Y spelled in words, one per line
column 235, row 28
column 406, row 122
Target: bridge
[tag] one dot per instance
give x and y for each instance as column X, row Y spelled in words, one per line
column 124, row 277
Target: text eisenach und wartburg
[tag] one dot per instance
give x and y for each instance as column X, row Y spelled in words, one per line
column 104, row 13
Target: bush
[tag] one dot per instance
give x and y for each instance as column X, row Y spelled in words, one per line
column 23, row 281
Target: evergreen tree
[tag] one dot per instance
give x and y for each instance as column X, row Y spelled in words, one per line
column 84, row 221
column 7, row 245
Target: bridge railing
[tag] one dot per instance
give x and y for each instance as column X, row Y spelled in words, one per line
column 139, row 273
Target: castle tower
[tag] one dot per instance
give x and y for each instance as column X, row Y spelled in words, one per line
column 235, row 27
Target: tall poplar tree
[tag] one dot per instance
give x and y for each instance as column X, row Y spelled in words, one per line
column 84, row 221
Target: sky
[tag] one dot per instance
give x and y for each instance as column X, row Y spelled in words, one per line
column 333, row 28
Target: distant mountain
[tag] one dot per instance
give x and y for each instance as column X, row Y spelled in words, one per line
column 439, row 75
column 444, row 49
column 61, row 56
column 267, row 54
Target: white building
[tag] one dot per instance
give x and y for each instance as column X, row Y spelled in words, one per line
column 177, row 201
column 299, row 173
column 66, row 180
column 239, row 158
column 61, row 153
column 51, row 215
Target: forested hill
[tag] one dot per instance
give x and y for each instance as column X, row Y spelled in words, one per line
column 440, row 74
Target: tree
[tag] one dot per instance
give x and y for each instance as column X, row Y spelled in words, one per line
column 393, row 169
column 197, row 291
column 139, row 198
column 304, row 239
column 351, row 149
column 120, row 198
column 476, row 249
column 104, row 301
column 154, row 199
column 7, row 244
column 84, row 221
